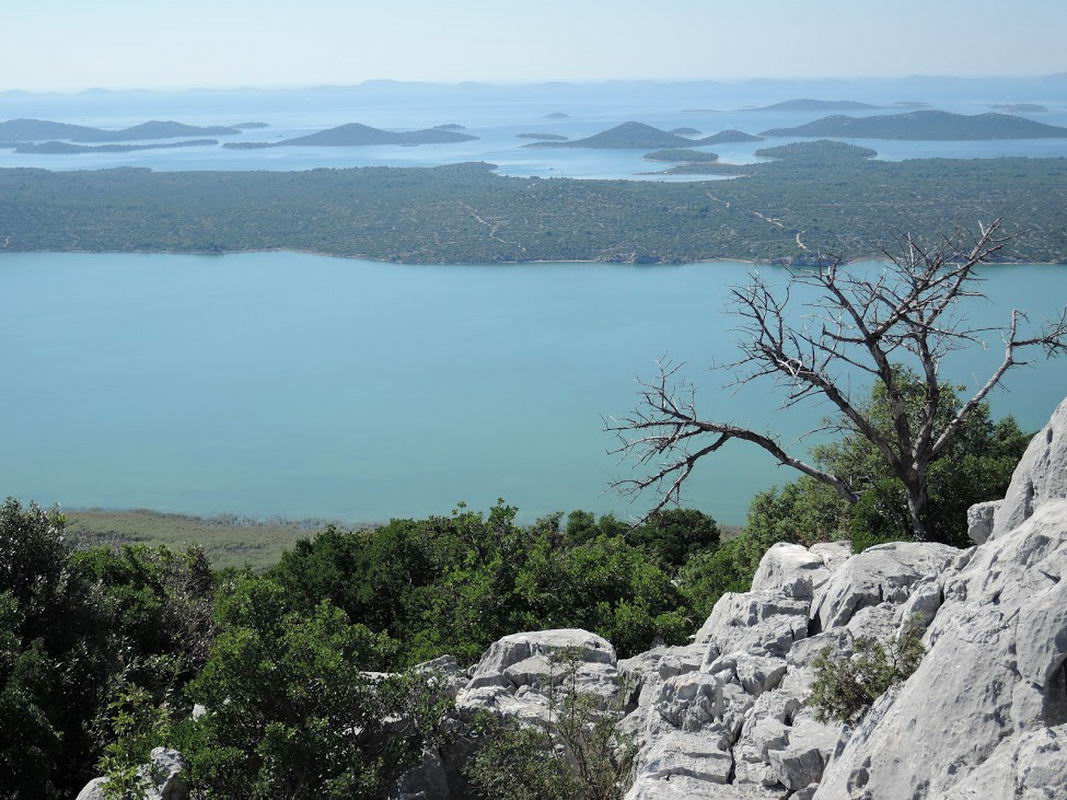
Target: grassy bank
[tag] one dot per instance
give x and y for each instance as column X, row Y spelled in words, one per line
column 228, row 540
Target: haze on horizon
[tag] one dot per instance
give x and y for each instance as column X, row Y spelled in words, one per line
column 159, row 44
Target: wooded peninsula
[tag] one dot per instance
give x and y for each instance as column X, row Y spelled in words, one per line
column 786, row 211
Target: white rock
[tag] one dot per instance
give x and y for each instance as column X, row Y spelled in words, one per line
column 1040, row 477
column 994, row 669
column 980, row 520
column 1029, row 766
column 883, row 573
column 93, row 790
column 762, row 623
column 833, row 554
column 791, row 570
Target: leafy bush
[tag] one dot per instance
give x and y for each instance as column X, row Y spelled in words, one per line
column 293, row 713
column 455, row 584
column 847, row 684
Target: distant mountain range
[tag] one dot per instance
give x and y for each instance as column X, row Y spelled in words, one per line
column 355, row 134
column 67, row 147
column 1020, row 108
column 639, row 135
column 23, row 130
column 925, row 125
column 806, row 104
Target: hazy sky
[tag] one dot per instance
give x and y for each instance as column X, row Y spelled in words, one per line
column 70, row 44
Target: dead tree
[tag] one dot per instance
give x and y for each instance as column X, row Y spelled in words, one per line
column 907, row 315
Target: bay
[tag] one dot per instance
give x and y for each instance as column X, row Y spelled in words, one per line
column 288, row 384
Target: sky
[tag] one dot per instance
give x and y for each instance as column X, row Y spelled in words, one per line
column 76, row 44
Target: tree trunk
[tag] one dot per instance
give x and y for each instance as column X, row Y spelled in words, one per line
column 917, row 501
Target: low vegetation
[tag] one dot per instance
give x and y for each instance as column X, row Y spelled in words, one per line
column 683, row 154
column 846, row 684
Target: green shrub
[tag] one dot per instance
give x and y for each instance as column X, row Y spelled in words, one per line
column 293, row 713
column 847, row 684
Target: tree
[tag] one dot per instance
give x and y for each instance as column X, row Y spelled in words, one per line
column 909, row 315
column 292, row 711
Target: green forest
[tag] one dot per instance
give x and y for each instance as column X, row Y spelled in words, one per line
column 793, row 210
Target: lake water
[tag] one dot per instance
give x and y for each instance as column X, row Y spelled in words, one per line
column 297, row 385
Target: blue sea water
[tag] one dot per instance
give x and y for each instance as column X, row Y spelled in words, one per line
column 297, row 385
column 495, row 116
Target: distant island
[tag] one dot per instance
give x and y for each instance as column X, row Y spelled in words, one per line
column 557, row 115
column 627, row 135
column 546, row 137
column 450, row 126
column 682, row 154
column 1020, row 108
column 467, row 214
column 684, row 131
column 355, row 134
column 925, row 125
column 247, row 126
column 729, row 136
column 38, row 130
column 633, row 135
column 911, row 104
column 806, row 104
column 822, row 151
column 700, row 111
column 67, row 147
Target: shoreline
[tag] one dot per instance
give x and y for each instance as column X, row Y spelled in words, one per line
column 322, row 254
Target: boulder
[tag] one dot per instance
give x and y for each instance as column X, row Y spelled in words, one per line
column 980, row 520
column 761, row 622
column 518, row 674
column 163, row 777
column 791, row 570
column 1040, row 477
column 93, row 790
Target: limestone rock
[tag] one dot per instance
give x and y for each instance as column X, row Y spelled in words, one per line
column 980, row 520
column 885, row 572
column 93, row 790
column 833, row 554
column 516, row 675
column 163, row 777
column 994, row 669
column 1040, row 477
column 761, row 622
column 791, row 570
column 1030, row 766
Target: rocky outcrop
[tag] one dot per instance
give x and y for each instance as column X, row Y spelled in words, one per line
column 1040, row 477
column 518, row 674
column 737, row 726
column 725, row 717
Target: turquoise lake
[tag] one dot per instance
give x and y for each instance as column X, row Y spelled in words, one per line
column 302, row 386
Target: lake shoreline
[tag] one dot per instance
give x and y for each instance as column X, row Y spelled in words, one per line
column 358, row 257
